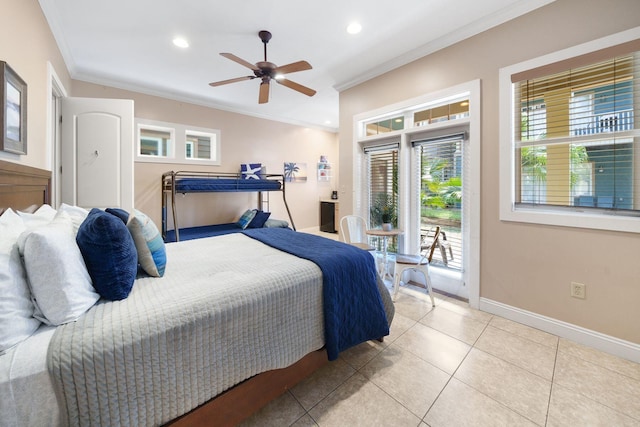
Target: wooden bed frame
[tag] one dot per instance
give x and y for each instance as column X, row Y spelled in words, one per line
column 24, row 187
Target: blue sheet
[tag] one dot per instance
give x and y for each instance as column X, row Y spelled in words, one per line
column 205, row 185
column 203, row 231
column 353, row 308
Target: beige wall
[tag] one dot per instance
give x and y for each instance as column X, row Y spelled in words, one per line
column 244, row 139
column 26, row 44
column 523, row 265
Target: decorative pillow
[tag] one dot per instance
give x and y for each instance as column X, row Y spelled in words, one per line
column 259, row 219
column 120, row 213
column 246, row 218
column 77, row 214
column 16, row 309
column 152, row 255
column 109, row 253
column 60, row 283
column 251, row 170
column 276, row 223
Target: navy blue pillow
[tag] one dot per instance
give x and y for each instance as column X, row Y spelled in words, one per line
column 259, row 219
column 120, row 213
column 109, row 254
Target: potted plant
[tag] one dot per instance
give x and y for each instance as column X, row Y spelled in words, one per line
column 387, row 215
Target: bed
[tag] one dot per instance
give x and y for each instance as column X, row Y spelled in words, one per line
column 184, row 182
column 206, row 344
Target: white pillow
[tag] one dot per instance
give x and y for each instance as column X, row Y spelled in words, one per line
column 77, row 214
column 16, row 309
column 59, row 280
column 43, row 215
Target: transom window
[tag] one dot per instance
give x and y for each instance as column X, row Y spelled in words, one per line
column 438, row 111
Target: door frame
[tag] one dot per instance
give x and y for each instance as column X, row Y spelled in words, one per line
column 56, row 91
column 471, row 179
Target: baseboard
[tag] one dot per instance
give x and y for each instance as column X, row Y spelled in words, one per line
column 618, row 347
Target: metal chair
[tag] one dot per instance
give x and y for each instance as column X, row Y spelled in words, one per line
column 419, row 263
column 353, row 230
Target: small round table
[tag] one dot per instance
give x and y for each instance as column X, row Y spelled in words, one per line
column 385, row 234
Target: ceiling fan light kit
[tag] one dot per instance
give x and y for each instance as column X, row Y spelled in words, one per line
column 267, row 71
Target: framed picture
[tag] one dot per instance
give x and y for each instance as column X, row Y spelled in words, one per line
column 13, row 115
column 295, row 172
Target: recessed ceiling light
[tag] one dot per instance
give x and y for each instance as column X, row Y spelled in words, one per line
column 327, row 122
column 354, row 28
column 180, row 42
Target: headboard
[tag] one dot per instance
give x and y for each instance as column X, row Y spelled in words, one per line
column 22, row 187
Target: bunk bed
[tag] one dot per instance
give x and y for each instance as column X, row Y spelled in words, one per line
column 176, row 182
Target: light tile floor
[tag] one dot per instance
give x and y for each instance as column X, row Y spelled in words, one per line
column 455, row 366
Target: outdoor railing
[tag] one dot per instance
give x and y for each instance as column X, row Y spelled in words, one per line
column 610, row 122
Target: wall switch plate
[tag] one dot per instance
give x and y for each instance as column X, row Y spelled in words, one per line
column 578, row 290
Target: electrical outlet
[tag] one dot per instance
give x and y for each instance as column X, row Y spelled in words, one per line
column 578, row 290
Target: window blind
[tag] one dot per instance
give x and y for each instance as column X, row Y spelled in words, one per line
column 382, row 171
column 576, row 137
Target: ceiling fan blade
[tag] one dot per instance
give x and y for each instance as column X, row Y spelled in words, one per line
column 296, row 86
column 263, row 98
column 240, row 61
column 237, row 79
column 293, row 67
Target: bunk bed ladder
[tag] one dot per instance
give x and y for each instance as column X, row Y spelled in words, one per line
column 263, row 201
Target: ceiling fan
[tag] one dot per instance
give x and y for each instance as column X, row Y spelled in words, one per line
column 267, row 71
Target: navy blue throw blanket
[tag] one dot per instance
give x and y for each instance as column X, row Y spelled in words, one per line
column 353, row 308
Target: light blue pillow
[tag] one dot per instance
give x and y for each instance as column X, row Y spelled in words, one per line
column 275, row 223
column 152, row 254
column 246, row 218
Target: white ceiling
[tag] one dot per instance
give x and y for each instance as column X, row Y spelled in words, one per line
column 128, row 44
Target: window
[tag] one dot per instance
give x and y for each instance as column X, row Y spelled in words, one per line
column 199, row 145
column 154, row 141
column 384, row 126
column 574, row 142
column 441, row 113
column 382, row 173
column 163, row 142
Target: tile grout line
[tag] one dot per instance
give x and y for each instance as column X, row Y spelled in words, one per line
column 553, row 377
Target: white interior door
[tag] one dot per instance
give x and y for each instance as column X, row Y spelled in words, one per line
column 97, row 152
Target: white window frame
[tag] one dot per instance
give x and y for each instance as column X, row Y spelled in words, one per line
column 406, row 220
column 214, row 139
column 508, row 209
column 176, row 153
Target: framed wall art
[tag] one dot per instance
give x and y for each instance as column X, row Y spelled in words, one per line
column 295, row 172
column 13, row 115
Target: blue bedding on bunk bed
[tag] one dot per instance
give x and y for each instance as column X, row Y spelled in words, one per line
column 205, row 185
column 203, row 231
column 353, row 308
